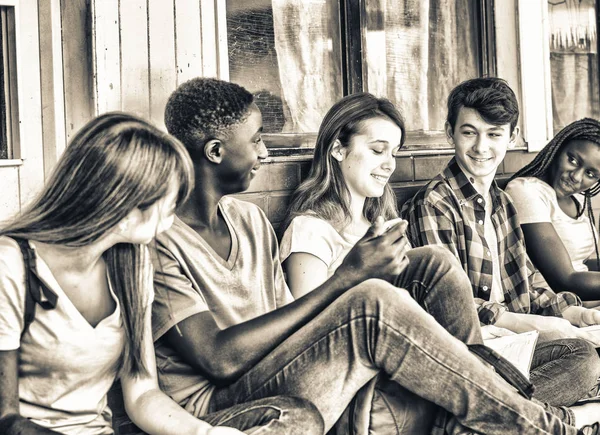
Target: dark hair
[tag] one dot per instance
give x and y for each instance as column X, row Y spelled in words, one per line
column 202, row 109
column 583, row 129
column 493, row 99
column 114, row 164
column 324, row 192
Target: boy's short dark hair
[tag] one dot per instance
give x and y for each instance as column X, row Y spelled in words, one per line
column 202, row 109
column 493, row 99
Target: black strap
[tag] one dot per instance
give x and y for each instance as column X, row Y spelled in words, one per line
column 504, row 368
column 34, row 286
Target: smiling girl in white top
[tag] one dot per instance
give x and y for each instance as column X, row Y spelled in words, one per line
column 346, row 190
column 553, row 199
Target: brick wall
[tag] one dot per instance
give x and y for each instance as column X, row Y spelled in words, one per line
column 279, row 176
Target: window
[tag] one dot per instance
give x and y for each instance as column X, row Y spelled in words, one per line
column 287, row 53
column 573, row 60
column 9, row 126
column 416, row 52
column 300, row 56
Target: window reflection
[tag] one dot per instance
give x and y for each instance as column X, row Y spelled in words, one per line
column 287, row 53
column 417, row 51
column 573, row 60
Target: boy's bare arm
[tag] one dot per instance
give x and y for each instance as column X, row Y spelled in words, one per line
column 224, row 355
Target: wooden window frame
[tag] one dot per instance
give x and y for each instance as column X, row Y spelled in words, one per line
column 12, row 85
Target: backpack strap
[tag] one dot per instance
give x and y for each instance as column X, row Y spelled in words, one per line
column 36, row 291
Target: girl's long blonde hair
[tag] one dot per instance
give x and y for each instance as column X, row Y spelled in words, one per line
column 114, row 164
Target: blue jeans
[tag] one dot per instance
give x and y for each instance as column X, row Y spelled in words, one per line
column 564, row 370
column 377, row 327
column 273, row 415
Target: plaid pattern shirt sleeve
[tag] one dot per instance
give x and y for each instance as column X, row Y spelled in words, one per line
column 429, row 225
column 547, row 303
column 450, row 212
column 435, row 223
column 541, row 301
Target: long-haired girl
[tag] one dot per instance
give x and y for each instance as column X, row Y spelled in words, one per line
column 346, row 190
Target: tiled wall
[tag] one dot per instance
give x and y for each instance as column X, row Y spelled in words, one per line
column 277, row 179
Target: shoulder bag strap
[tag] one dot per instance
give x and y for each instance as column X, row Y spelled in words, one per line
column 35, row 288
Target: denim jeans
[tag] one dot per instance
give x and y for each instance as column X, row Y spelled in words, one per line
column 377, row 327
column 277, row 415
column 564, row 371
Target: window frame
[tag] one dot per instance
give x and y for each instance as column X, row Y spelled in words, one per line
column 13, row 86
column 352, row 28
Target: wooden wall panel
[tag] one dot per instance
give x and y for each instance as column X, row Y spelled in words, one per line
column 31, row 173
column 77, row 64
column 9, row 200
column 143, row 49
column 53, row 93
column 107, row 55
column 209, row 38
column 188, row 34
column 163, row 74
column 135, row 95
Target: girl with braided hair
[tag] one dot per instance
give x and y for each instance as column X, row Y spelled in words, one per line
column 553, row 196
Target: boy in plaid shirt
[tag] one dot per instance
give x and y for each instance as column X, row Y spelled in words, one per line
column 464, row 210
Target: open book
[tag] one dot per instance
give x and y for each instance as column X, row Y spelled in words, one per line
column 594, row 330
column 516, row 348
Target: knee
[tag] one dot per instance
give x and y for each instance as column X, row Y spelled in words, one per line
column 304, row 417
column 434, row 254
column 590, row 358
column 435, row 264
column 585, row 363
column 376, row 291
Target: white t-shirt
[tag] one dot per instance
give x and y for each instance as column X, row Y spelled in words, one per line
column 313, row 235
column 192, row 278
column 66, row 366
column 536, row 202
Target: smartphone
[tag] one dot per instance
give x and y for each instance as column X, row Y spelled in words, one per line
column 388, row 225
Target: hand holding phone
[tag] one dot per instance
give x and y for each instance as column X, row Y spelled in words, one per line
column 388, row 225
column 381, row 227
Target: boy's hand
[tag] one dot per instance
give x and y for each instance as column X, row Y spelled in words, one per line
column 381, row 253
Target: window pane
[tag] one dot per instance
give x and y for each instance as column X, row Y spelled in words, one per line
column 417, row 51
column 287, row 53
column 573, row 60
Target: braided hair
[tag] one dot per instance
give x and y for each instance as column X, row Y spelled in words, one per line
column 583, row 129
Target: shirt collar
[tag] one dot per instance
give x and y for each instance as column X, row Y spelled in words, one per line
column 463, row 188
